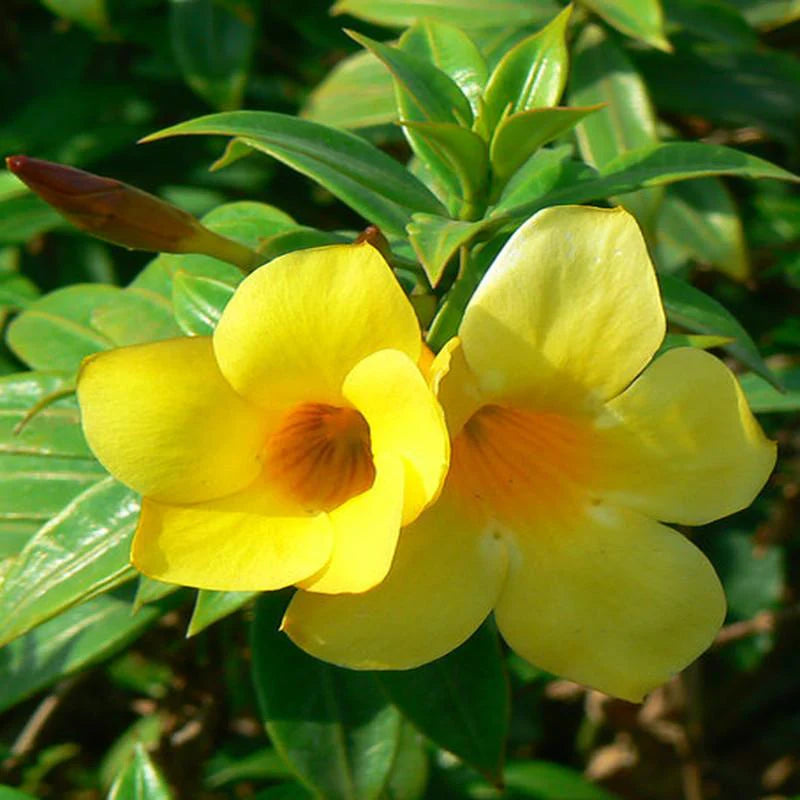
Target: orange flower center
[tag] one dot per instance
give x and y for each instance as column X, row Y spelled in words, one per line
column 321, row 455
column 517, row 464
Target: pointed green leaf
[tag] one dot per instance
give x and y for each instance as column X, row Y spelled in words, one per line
column 149, row 590
column 212, row 606
column 357, row 93
column 437, row 239
column 465, row 157
column 453, row 52
column 213, row 42
column 764, row 398
column 466, row 14
column 79, row 553
column 140, row 780
column 642, row 19
column 700, row 221
column 365, row 178
column 299, row 238
column 460, row 701
column 333, row 726
column 7, row 793
column 92, row 14
column 82, row 635
column 546, row 169
column 530, row 75
column 16, row 291
column 654, row 165
column 55, row 332
column 44, row 459
column 520, row 135
column 696, row 311
column 198, row 302
column 409, row 775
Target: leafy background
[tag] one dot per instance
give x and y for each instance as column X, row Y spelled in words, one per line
column 98, row 701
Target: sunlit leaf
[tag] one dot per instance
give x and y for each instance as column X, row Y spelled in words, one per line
column 371, row 182
column 198, row 302
column 530, row 75
column 140, row 780
column 642, row 19
column 80, row 552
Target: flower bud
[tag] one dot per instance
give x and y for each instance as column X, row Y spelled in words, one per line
column 124, row 215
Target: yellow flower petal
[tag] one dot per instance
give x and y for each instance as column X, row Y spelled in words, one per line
column 614, row 600
column 161, row 418
column 405, row 421
column 682, row 445
column 249, row 541
column 569, row 306
column 444, row 580
column 455, row 386
column 365, row 531
column 297, row 326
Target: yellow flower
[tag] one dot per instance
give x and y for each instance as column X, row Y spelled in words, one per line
column 290, row 446
column 565, row 461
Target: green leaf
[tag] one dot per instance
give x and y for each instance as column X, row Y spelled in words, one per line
column 602, row 73
column 82, row 635
column 715, row 20
column 80, row 552
column 135, row 316
column 55, row 332
column 409, row 775
column 543, row 780
column 16, row 291
column 7, row 793
column 699, row 220
column 140, row 780
column 24, row 216
column 260, row 765
column 466, row 14
column 769, row 14
column 333, row 726
column 212, row 606
column 764, row 398
column 697, row 312
column 91, row 14
column 520, row 135
column 213, row 42
column 198, row 302
column 149, row 590
column 673, row 340
column 356, row 93
column 453, row 52
column 45, row 463
column 654, row 165
column 437, row 239
column 642, row 19
column 530, row 75
column 365, row 178
column 299, row 238
column 460, row 701
column 543, row 171
column 462, row 155
column 428, row 94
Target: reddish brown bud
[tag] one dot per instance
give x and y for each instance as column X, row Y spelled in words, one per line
column 122, row 214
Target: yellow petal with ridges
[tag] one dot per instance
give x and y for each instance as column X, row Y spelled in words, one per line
column 445, row 578
column 365, row 531
column 405, row 421
column 681, row 445
column 455, row 386
column 250, row 541
column 297, row 326
column 569, row 308
column 161, row 418
column 611, row 599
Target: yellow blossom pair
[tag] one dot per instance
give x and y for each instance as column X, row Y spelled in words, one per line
column 292, row 447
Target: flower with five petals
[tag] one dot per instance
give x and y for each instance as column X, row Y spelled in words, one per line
column 571, row 447
column 287, row 448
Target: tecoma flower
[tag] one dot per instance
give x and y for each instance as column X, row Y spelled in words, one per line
column 287, row 448
column 568, row 453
